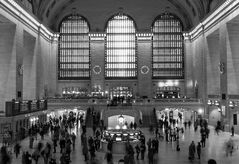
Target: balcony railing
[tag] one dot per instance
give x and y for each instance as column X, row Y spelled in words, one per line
column 14, row 108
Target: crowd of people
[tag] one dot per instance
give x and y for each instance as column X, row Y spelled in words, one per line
column 62, row 138
column 58, row 129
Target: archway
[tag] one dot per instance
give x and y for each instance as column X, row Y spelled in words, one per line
column 214, row 116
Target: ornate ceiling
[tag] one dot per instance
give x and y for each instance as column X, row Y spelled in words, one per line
column 191, row 12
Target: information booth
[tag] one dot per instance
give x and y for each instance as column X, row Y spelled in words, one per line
column 120, row 137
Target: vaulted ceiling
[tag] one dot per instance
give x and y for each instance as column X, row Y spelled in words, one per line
column 191, row 12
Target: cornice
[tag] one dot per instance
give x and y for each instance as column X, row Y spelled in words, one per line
column 221, row 13
column 15, row 10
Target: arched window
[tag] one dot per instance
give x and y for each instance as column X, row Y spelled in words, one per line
column 168, row 51
column 74, row 49
column 120, row 51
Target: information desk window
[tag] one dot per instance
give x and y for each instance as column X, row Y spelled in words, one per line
column 121, row 135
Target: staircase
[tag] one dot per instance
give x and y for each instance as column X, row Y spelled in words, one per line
column 88, row 119
column 149, row 118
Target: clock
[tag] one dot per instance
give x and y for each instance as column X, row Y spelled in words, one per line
column 97, row 69
column 144, row 69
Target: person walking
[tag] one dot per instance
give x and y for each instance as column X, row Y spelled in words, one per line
column 192, row 149
column 85, row 151
column 109, row 157
column 28, row 159
column 199, row 147
column 36, row 155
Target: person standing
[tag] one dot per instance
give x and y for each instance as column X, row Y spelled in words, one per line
column 62, row 144
column 17, row 149
column 151, row 155
column 85, row 151
column 149, row 143
column 28, row 158
column 232, row 130
column 109, row 157
column 73, row 138
column 36, row 155
column 156, row 132
column 177, row 145
column 142, row 150
column 23, row 157
column 203, row 136
column 137, row 148
column 199, row 147
column 54, row 144
column 31, row 141
column 4, row 156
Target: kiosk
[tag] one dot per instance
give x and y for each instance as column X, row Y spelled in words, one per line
column 120, row 137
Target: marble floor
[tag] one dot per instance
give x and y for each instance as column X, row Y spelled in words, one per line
column 167, row 153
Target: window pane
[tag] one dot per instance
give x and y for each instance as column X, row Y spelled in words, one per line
column 168, row 49
column 120, row 48
column 74, row 51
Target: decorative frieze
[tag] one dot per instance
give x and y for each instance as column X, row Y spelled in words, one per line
column 100, row 36
column 144, row 36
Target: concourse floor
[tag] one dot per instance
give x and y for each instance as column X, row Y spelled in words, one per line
column 215, row 148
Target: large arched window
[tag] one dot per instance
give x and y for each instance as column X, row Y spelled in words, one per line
column 120, row 51
column 168, row 51
column 74, row 50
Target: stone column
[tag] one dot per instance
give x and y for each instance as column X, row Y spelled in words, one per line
column 97, row 55
column 29, row 66
column 232, row 68
column 53, row 68
column 223, row 73
column 8, row 63
column 144, row 64
column 19, row 62
column 188, row 62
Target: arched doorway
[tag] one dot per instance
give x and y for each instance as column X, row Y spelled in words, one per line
column 214, row 117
